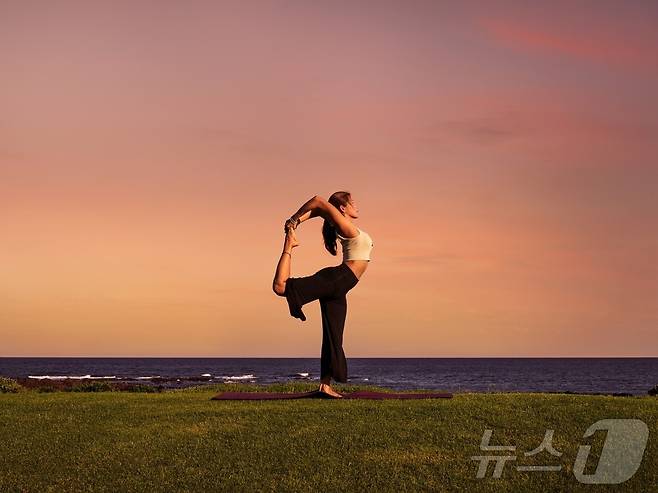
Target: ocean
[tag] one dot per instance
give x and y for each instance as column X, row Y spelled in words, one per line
column 580, row 375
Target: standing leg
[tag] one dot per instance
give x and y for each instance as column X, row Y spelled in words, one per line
column 332, row 359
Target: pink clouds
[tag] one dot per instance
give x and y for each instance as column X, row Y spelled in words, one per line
column 547, row 135
column 598, row 45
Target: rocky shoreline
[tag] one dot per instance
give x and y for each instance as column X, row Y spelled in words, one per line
column 160, row 384
column 153, row 384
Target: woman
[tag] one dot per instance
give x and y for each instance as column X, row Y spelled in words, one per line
column 328, row 285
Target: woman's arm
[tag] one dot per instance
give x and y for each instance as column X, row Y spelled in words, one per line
column 306, row 211
column 308, row 215
column 317, row 206
column 294, row 221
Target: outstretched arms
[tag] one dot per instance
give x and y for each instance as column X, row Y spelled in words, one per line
column 318, row 206
column 305, row 212
column 308, row 214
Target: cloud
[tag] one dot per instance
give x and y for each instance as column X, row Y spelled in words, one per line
column 584, row 44
column 548, row 129
column 483, row 130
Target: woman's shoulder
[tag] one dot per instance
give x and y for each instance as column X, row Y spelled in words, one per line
column 358, row 233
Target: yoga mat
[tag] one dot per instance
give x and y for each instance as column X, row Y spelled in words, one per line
column 316, row 394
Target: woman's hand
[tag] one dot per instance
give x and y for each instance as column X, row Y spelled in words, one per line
column 306, row 211
column 293, row 222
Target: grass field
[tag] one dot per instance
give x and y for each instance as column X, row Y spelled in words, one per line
column 182, row 441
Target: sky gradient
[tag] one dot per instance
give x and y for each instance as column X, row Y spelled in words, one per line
column 504, row 159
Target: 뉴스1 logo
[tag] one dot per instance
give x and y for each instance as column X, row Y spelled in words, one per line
column 622, row 453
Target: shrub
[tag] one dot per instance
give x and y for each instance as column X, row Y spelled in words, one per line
column 47, row 388
column 140, row 387
column 9, row 385
column 654, row 391
column 92, row 387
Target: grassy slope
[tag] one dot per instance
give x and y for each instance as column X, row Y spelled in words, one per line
column 181, row 440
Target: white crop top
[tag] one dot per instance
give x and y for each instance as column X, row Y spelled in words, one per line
column 357, row 248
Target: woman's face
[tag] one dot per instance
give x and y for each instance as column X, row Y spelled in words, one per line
column 351, row 210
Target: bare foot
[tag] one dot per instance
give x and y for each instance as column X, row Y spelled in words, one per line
column 291, row 239
column 328, row 390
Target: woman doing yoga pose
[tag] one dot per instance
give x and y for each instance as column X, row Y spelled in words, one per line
column 329, row 285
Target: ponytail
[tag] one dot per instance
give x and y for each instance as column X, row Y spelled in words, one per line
column 329, row 235
column 328, row 228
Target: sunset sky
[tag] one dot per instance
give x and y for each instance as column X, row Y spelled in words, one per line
column 504, row 160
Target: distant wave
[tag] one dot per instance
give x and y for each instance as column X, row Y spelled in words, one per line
column 240, row 377
column 299, row 375
column 64, row 377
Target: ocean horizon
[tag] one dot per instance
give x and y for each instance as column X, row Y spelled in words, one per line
column 632, row 375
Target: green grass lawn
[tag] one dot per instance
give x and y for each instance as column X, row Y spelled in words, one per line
column 183, row 441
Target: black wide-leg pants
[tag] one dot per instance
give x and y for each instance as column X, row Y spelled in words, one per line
column 330, row 286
